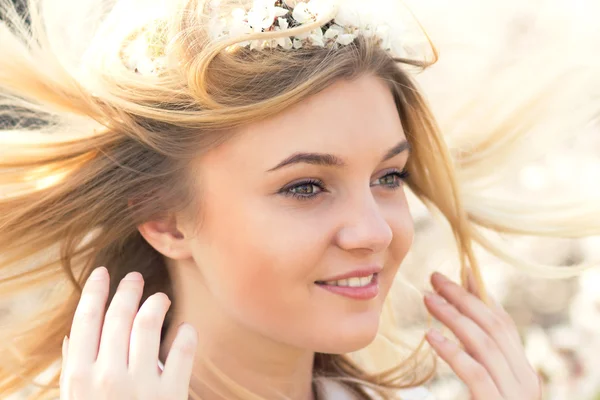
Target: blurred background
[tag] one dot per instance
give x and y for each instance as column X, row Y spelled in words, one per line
column 488, row 49
column 490, row 53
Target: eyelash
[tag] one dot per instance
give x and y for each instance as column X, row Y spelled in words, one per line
column 287, row 191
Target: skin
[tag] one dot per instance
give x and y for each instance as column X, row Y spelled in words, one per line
column 245, row 277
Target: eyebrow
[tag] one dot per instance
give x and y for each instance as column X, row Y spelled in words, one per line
column 330, row 160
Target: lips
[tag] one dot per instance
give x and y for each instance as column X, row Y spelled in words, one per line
column 364, row 291
column 357, row 273
column 350, row 282
column 360, row 284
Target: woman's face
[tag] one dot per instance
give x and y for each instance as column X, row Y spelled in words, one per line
column 304, row 197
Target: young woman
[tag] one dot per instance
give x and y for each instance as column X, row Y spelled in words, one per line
column 213, row 196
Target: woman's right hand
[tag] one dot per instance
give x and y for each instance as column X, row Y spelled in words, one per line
column 116, row 356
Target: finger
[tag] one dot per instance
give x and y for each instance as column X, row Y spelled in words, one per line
column 497, row 324
column 145, row 336
column 475, row 290
column 116, row 332
column 180, row 361
column 473, row 374
column 493, row 319
column 87, row 321
column 477, row 343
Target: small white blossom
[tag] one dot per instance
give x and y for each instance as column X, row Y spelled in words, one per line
column 291, row 3
column 217, row 28
column 238, row 14
column 284, row 42
column 145, row 66
column 347, row 16
column 263, row 13
column 283, row 23
column 316, row 37
column 345, row 39
column 351, row 18
column 302, row 14
column 333, row 32
column 305, row 13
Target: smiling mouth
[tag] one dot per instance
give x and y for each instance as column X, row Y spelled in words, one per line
column 350, row 282
column 356, row 288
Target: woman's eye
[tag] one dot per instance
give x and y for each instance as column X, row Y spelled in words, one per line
column 304, row 190
column 311, row 188
column 389, row 180
column 393, row 179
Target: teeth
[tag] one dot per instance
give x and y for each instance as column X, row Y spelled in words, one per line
column 352, row 282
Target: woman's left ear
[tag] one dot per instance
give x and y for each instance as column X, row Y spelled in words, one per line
column 165, row 236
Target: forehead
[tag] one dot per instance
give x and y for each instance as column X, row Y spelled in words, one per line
column 347, row 118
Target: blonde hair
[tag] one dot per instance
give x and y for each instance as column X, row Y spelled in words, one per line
column 86, row 135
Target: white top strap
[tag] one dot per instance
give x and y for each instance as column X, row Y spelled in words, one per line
column 333, row 390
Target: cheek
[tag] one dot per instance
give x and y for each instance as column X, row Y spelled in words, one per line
column 258, row 260
column 259, row 263
column 403, row 230
column 401, row 223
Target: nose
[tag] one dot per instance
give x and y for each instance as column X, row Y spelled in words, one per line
column 364, row 226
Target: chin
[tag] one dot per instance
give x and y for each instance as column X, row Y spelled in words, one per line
column 347, row 336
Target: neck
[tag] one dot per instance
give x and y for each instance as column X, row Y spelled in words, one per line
column 231, row 359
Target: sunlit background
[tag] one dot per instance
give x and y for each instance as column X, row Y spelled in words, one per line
column 559, row 319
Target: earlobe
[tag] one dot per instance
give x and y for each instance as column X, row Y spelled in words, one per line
column 164, row 236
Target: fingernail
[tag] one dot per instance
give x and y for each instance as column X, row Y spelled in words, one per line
column 187, row 329
column 98, row 274
column 434, row 298
column 184, row 325
column 439, row 275
column 133, row 276
column 435, row 335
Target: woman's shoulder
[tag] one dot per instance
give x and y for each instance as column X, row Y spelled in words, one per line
column 334, row 390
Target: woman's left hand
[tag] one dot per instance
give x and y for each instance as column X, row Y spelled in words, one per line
column 493, row 363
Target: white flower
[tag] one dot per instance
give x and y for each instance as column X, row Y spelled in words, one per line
column 305, row 13
column 263, row 13
column 362, row 15
column 238, row 14
column 238, row 25
column 145, row 66
column 259, row 44
column 347, row 16
column 351, row 17
column 339, row 35
column 346, row 38
column 291, row 3
column 284, row 42
column 283, row 24
column 316, row 37
column 217, row 27
column 302, row 13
